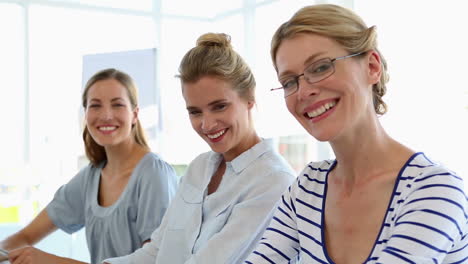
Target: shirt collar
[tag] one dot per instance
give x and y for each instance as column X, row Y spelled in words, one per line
column 243, row 160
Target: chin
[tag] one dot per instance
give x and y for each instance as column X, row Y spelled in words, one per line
column 322, row 136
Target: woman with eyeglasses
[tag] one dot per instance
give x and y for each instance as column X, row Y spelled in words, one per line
column 378, row 201
column 227, row 195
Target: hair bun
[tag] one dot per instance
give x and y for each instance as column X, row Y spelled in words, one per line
column 214, row 39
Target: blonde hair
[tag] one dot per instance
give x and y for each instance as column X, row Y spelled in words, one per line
column 95, row 152
column 343, row 26
column 213, row 55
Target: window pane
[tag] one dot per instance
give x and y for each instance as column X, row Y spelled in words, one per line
column 201, row 8
column 56, row 52
column 272, row 104
column 142, row 5
column 13, row 88
column 180, row 144
column 427, row 93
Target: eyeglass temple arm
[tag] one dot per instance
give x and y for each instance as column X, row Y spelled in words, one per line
column 274, row 89
column 349, row 56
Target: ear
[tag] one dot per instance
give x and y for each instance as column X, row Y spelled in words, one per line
column 250, row 104
column 135, row 115
column 374, row 67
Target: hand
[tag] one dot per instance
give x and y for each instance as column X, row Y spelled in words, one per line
column 31, row 255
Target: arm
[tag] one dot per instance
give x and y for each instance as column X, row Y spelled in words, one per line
column 31, row 255
column 431, row 223
column 147, row 253
column 280, row 242
column 155, row 192
column 244, row 226
column 39, row 228
column 65, row 211
column 19, row 244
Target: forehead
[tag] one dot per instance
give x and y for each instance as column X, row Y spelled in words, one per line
column 206, row 90
column 293, row 53
column 109, row 88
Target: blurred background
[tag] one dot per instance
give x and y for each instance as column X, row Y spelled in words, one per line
column 43, row 43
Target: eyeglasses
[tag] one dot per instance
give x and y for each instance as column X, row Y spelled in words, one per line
column 315, row 72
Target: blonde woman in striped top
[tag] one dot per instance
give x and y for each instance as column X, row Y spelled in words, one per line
column 378, row 201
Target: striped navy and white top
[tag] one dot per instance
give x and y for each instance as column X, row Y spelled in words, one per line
column 426, row 221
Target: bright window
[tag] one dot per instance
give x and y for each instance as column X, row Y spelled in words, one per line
column 427, row 96
column 13, row 86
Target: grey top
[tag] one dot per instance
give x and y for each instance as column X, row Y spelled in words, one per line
column 121, row 228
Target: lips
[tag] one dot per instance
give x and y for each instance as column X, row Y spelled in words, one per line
column 216, row 136
column 321, row 109
column 107, row 128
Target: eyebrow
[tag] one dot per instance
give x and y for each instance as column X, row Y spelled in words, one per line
column 309, row 60
column 313, row 57
column 112, row 100
column 210, row 104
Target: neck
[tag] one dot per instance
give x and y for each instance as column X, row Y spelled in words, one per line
column 248, row 142
column 367, row 153
column 123, row 156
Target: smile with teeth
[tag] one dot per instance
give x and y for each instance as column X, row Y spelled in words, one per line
column 322, row 109
column 216, row 135
column 107, row 128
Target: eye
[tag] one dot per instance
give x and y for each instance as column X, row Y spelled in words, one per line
column 289, row 84
column 194, row 112
column 319, row 67
column 219, row 107
column 94, row 106
column 118, row 105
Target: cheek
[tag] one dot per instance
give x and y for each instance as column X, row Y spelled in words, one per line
column 291, row 105
column 195, row 124
column 88, row 117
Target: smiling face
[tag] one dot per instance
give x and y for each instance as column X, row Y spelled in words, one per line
column 219, row 115
column 332, row 107
column 109, row 113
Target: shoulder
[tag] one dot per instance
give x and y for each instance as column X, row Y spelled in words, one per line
column 86, row 174
column 203, row 158
column 198, row 167
column 152, row 161
column 427, row 184
column 423, row 173
column 313, row 177
column 152, row 168
column 271, row 161
column 316, row 170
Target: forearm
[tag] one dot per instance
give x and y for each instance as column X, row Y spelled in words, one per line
column 38, row 229
column 145, row 254
column 33, row 255
column 16, row 240
column 61, row 260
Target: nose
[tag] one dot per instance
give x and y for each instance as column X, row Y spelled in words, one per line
column 106, row 113
column 306, row 89
column 208, row 123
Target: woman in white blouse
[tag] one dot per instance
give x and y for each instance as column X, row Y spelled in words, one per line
column 227, row 196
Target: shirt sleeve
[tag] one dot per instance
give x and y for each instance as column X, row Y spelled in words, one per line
column 66, row 210
column 432, row 223
column 245, row 225
column 158, row 186
column 280, row 241
column 144, row 255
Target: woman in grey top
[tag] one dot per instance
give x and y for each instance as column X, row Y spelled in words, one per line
column 120, row 197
